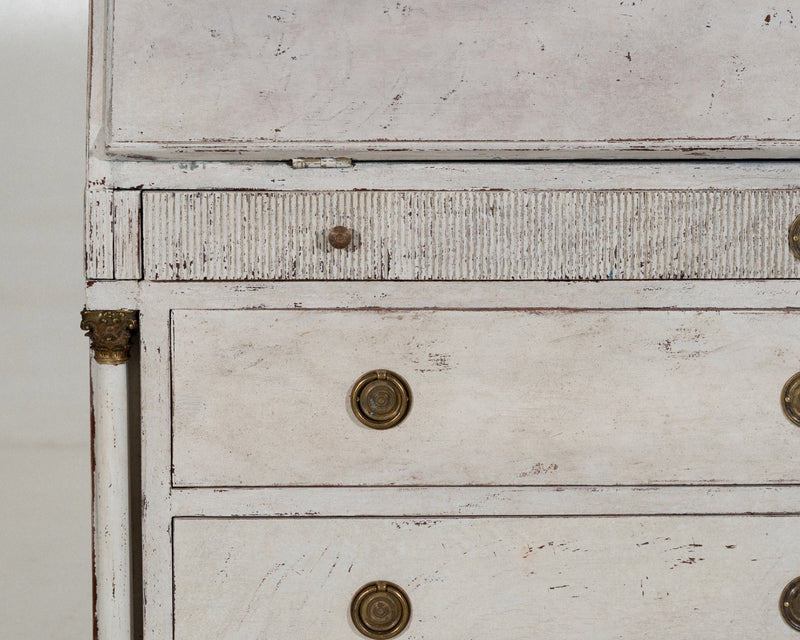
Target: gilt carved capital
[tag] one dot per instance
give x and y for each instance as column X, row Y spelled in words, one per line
column 110, row 333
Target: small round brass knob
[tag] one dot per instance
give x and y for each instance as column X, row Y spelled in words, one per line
column 790, row 604
column 380, row 399
column 794, row 237
column 790, row 399
column 380, row 610
column 340, row 237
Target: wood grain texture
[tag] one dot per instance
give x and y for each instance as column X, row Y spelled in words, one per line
column 470, row 235
column 428, row 80
column 656, row 578
column 499, row 397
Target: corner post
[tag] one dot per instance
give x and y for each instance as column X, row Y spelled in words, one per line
column 110, row 334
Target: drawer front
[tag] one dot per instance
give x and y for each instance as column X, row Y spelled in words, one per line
column 470, row 235
column 507, row 397
column 656, row 578
column 267, row 79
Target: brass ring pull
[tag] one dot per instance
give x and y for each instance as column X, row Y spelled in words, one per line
column 380, row 610
column 790, row 604
column 794, row 237
column 340, row 237
column 380, row 399
column 790, row 399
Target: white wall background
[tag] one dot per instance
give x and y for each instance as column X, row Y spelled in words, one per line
column 45, row 528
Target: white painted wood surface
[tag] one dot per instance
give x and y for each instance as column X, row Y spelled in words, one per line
column 485, row 501
column 655, row 578
column 156, row 496
column 161, row 503
column 470, row 235
column 130, row 177
column 441, row 79
column 111, row 505
column 113, row 228
column 499, row 397
column 163, row 86
column 161, row 297
column 99, row 233
column 210, row 175
column 127, row 234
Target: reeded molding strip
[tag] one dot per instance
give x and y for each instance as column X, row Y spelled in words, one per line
column 112, row 233
column 470, row 235
column 127, row 240
column 99, row 233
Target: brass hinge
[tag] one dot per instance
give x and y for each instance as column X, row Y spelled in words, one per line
column 321, row 163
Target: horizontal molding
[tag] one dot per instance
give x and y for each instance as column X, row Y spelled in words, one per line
column 470, row 235
column 457, row 150
column 483, row 501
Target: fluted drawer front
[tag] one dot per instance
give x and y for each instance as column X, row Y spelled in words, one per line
column 504, row 397
column 649, row 578
column 469, row 235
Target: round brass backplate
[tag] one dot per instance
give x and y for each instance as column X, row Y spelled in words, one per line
column 794, row 237
column 340, row 237
column 380, row 610
column 380, row 399
column 790, row 399
column 790, row 604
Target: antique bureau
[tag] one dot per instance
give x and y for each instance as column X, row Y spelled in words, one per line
column 451, row 319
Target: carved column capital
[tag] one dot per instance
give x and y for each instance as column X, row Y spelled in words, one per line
column 110, row 333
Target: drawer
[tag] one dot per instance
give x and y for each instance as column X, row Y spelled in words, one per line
column 571, row 578
column 470, row 235
column 505, row 397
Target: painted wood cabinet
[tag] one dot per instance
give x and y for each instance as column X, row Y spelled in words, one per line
column 444, row 319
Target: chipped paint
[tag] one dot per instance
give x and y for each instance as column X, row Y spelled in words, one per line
column 579, row 82
column 468, row 235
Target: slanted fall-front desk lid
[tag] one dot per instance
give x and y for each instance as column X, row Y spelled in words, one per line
column 453, row 79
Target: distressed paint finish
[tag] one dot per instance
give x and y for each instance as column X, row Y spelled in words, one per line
column 604, row 294
column 113, row 228
column 470, row 235
column 111, row 506
column 656, row 578
column 455, row 176
column 127, row 234
column 157, row 510
column 365, row 79
column 540, row 500
column 161, row 503
column 210, row 84
column 499, row 397
column 130, row 177
column 99, row 233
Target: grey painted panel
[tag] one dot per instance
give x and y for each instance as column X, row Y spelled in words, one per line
column 465, row 79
